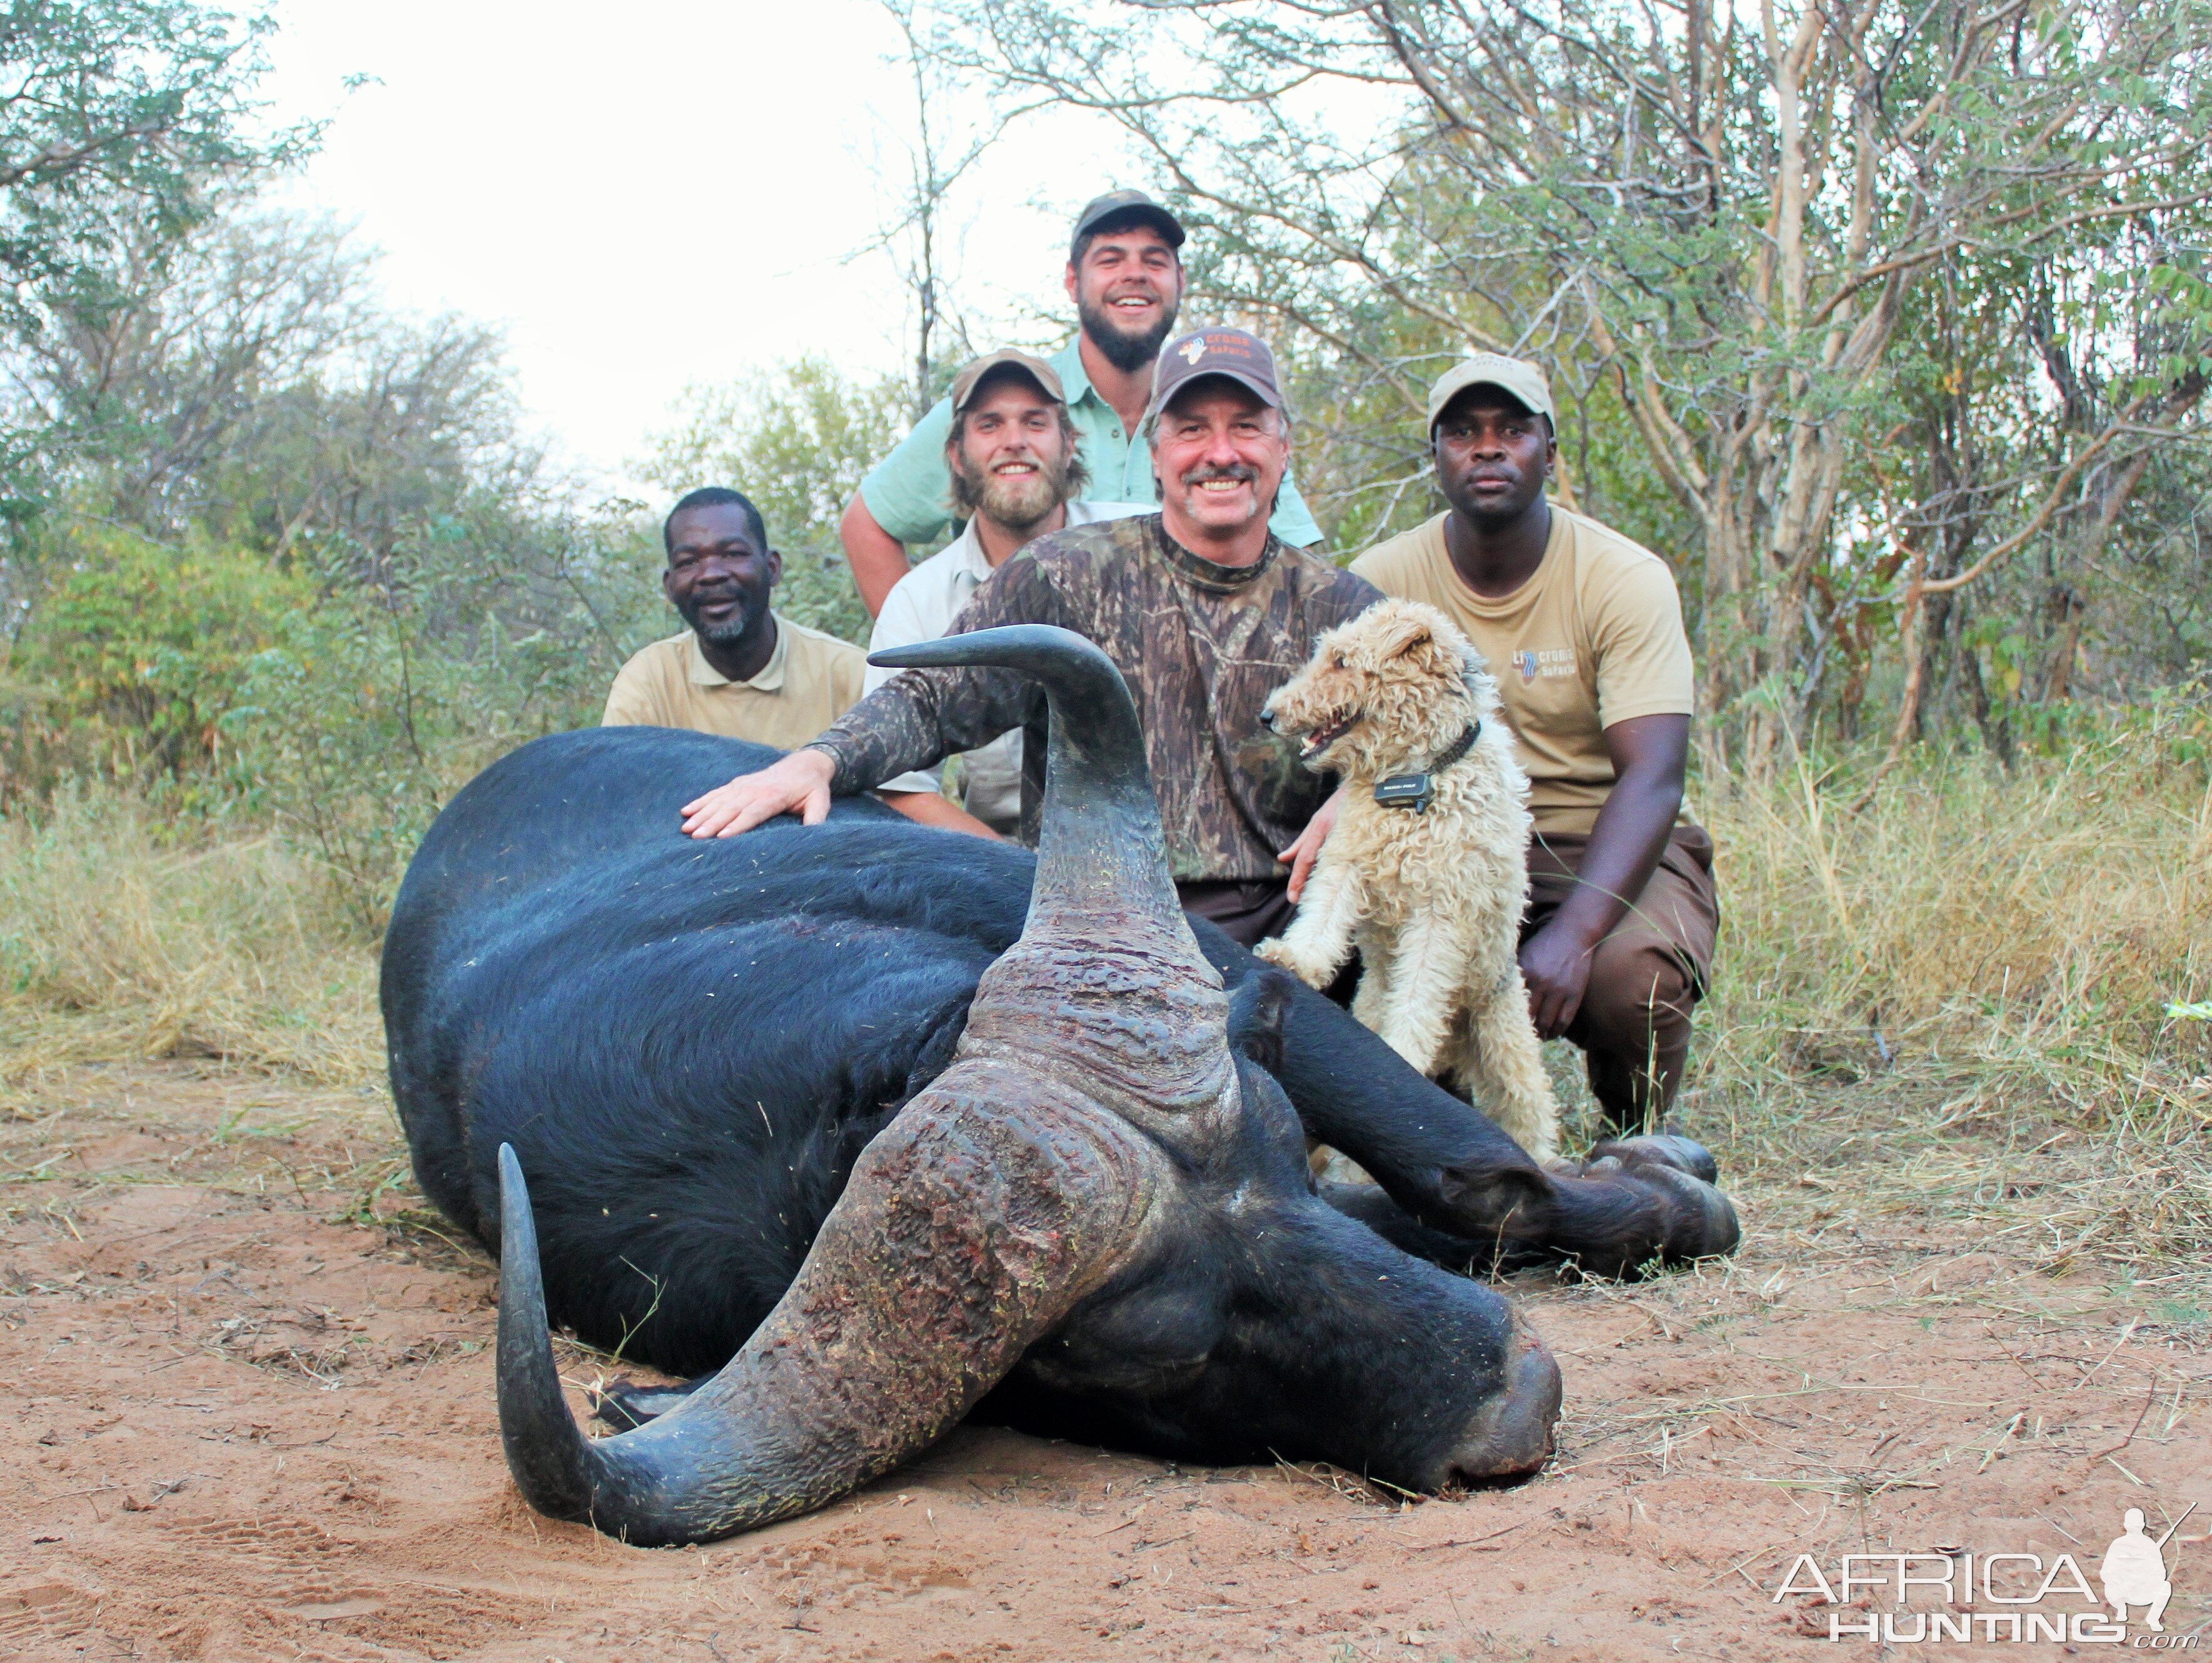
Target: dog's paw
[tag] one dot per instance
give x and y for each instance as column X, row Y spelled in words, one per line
column 1279, row 953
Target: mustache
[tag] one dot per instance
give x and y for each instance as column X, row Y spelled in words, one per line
column 1206, row 470
column 732, row 628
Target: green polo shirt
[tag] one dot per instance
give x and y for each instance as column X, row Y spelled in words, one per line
column 910, row 492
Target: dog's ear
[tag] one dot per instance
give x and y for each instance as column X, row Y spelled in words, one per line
column 1403, row 636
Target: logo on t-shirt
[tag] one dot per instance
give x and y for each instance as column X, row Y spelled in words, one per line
column 1546, row 662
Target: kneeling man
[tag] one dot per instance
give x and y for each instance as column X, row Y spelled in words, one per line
column 1582, row 629
column 1016, row 476
column 1203, row 611
column 739, row 670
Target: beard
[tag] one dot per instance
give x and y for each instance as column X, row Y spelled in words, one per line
column 1017, row 502
column 731, row 630
column 1127, row 352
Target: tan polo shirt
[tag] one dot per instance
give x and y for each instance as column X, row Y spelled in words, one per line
column 1595, row 637
column 810, row 680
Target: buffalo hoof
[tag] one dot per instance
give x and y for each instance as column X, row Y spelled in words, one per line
column 1665, row 1148
column 1677, row 1215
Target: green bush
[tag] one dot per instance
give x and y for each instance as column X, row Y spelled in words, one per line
column 132, row 658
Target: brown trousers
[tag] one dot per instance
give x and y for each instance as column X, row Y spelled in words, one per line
column 1646, row 976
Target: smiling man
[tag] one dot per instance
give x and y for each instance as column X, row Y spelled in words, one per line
column 1124, row 277
column 738, row 670
column 1016, row 476
column 1583, row 631
column 1203, row 609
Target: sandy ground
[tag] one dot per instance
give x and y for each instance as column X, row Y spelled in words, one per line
column 249, row 1414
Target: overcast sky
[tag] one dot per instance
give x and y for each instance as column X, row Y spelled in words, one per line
column 658, row 194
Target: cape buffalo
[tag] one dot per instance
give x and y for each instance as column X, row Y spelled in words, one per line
column 816, row 1107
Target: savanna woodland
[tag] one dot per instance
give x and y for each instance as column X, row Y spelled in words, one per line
column 1886, row 323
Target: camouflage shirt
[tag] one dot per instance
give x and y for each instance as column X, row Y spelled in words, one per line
column 1201, row 648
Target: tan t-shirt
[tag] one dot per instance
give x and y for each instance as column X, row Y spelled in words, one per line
column 810, row 680
column 1594, row 638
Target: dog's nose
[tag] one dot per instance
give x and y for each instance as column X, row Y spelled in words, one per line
column 1267, row 717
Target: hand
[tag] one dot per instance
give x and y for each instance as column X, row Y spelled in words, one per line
column 1556, row 965
column 1302, row 853
column 801, row 781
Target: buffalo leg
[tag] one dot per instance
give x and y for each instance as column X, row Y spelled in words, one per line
column 1636, row 1205
column 1638, row 1202
column 1373, row 1207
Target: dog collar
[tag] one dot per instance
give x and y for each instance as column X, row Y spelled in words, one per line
column 1416, row 790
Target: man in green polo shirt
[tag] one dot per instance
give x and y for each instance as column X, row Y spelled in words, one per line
column 1124, row 276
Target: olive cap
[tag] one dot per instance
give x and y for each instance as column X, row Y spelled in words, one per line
column 1133, row 205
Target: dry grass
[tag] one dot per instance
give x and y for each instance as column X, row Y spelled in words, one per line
column 113, row 947
column 1967, row 990
column 1952, row 1007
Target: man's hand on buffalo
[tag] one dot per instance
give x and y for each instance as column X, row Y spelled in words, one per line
column 800, row 783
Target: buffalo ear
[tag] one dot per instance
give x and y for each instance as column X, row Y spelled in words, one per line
column 1256, row 1009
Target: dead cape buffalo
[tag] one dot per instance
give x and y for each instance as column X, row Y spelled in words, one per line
column 799, row 1106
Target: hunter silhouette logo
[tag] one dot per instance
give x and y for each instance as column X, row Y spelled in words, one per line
column 2134, row 1571
column 1192, row 351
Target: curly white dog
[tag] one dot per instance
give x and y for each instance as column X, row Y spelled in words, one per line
column 1427, row 871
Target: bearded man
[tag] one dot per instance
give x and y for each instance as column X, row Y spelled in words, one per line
column 1203, row 610
column 738, row 669
column 1124, row 276
column 1016, row 476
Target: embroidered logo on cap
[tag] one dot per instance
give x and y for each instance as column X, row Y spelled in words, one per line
column 1192, row 351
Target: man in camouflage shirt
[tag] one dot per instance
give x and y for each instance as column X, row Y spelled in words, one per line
column 1204, row 612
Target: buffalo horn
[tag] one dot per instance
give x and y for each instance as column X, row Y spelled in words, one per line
column 1107, row 975
column 964, row 1235
column 1102, row 864
column 974, row 1221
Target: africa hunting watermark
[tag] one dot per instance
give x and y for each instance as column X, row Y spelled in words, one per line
column 2013, row 1587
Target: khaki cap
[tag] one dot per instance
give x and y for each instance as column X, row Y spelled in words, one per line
column 1493, row 369
column 971, row 376
column 1239, row 353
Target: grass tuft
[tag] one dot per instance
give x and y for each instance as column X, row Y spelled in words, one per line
column 1968, row 990
column 116, row 946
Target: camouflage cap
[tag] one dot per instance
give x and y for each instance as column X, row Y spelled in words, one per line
column 1237, row 353
column 973, row 374
column 1493, row 369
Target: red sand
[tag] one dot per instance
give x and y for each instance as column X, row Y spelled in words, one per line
column 242, row 1428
